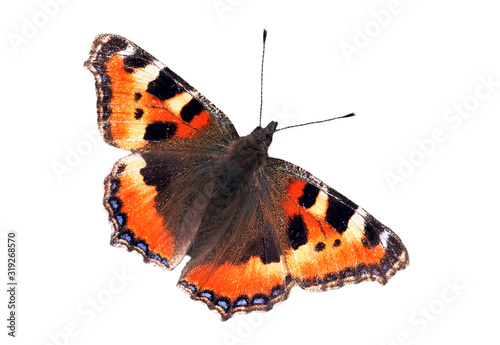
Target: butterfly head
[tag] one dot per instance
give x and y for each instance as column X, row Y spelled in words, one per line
column 264, row 135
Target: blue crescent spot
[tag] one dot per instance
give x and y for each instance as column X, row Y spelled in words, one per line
column 119, row 219
column 142, row 246
column 241, row 302
column 223, row 304
column 165, row 263
column 277, row 291
column 329, row 278
column 375, row 271
column 192, row 288
column 114, row 204
column 207, row 294
column 363, row 270
column 258, row 300
column 126, row 237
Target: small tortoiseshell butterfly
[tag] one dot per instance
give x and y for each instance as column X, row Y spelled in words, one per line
column 253, row 226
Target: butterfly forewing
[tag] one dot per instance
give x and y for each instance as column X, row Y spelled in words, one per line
column 144, row 105
column 328, row 240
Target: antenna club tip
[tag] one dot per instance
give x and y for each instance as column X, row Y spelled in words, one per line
column 265, row 34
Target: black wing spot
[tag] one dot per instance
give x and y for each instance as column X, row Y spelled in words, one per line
column 138, row 113
column 190, row 110
column 320, row 246
column 371, row 233
column 309, row 195
column 160, row 131
column 133, row 62
column 336, row 243
column 163, row 87
column 137, row 96
column 339, row 212
column 297, row 232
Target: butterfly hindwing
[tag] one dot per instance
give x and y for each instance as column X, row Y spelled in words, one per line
column 142, row 104
column 244, row 270
column 329, row 241
column 152, row 199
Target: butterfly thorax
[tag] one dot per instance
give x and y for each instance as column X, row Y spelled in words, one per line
column 237, row 170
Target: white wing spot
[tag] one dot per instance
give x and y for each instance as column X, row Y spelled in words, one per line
column 129, row 51
column 384, row 236
column 356, row 225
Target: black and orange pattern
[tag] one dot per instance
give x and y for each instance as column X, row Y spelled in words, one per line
column 144, row 105
column 253, row 226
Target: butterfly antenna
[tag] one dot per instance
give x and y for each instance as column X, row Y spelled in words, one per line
column 262, row 74
column 310, row 123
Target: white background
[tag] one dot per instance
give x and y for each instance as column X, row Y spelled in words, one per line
column 416, row 65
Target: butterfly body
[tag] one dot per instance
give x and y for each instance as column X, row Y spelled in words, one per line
column 237, row 170
column 253, row 226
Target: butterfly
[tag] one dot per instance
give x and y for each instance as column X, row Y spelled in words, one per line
column 253, row 226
